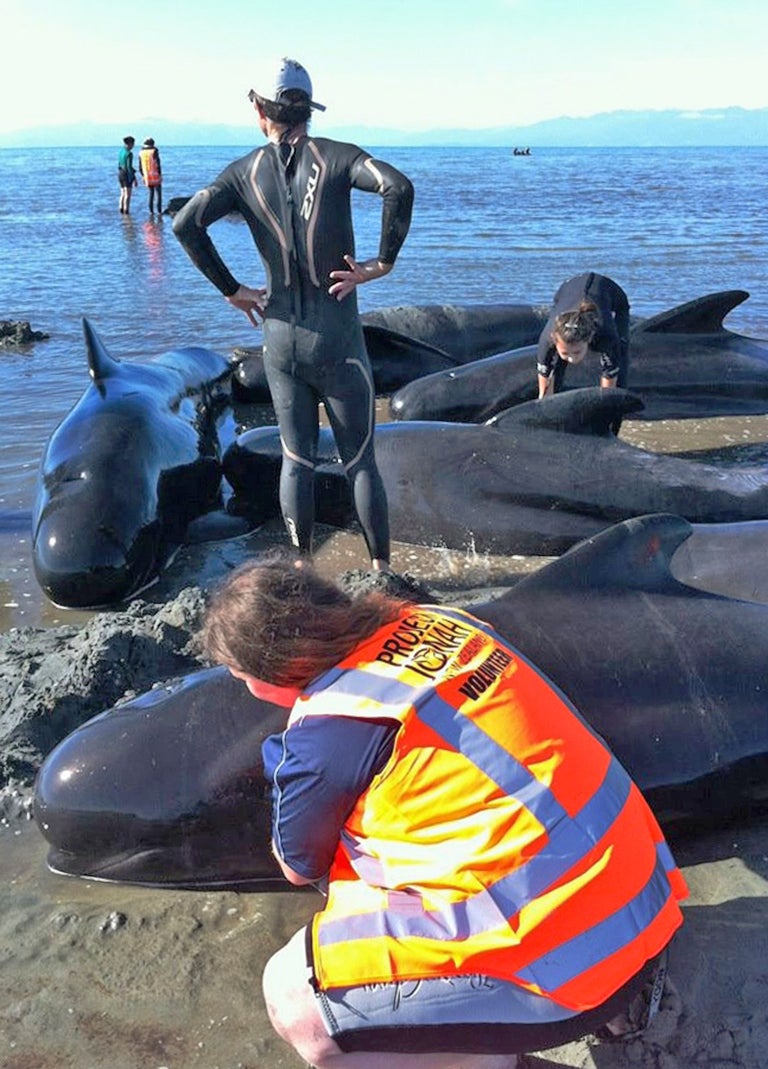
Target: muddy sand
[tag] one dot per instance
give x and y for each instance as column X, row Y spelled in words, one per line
column 105, row 976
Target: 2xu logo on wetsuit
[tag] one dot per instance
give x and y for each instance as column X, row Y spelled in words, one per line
column 309, row 197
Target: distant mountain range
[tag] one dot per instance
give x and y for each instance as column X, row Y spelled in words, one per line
column 713, row 126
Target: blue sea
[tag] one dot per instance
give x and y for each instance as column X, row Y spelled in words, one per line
column 488, row 226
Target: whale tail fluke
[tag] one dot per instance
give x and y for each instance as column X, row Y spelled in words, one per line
column 705, row 315
column 100, row 364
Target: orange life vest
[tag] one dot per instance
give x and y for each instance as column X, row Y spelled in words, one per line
column 150, row 166
column 501, row 838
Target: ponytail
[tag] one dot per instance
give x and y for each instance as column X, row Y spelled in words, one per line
column 579, row 325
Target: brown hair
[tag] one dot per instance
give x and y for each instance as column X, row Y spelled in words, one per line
column 292, row 109
column 285, row 624
column 581, row 324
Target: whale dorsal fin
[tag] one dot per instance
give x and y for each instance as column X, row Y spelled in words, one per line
column 591, row 410
column 705, row 315
column 100, row 364
column 635, row 554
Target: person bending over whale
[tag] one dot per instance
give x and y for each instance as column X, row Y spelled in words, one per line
column 294, row 193
column 495, row 881
column 589, row 312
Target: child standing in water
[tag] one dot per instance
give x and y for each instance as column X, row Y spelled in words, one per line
column 126, row 175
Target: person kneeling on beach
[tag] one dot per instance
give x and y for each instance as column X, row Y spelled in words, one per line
column 495, row 881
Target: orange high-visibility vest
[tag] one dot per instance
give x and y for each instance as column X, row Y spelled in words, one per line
column 150, row 166
column 501, row 838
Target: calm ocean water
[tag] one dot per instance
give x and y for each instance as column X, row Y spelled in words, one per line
column 668, row 224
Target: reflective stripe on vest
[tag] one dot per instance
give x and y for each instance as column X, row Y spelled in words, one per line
column 425, row 881
column 150, row 166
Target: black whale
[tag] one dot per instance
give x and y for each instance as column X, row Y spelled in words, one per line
column 168, row 789
column 684, row 363
column 408, row 341
column 125, row 472
column 535, row 479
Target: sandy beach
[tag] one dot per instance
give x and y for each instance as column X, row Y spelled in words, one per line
column 104, row 976
column 107, row 976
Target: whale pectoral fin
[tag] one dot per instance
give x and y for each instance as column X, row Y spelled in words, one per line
column 383, row 344
column 705, row 315
column 217, row 526
column 589, row 411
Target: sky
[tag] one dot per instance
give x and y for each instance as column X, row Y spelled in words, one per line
column 406, row 64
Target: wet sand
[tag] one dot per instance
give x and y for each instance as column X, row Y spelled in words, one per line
column 104, row 976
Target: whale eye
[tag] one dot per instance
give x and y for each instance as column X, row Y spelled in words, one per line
column 52, row 541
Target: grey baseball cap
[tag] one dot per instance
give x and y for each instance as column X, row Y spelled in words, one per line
column 288, row 75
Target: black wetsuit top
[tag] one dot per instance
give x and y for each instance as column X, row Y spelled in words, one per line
column 296, row 200
column 612, row 338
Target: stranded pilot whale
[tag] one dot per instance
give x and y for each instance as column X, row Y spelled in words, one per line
column 131, row 465
column 683, row 363
column 168, row 788
column 412, row 340
column 534, row 479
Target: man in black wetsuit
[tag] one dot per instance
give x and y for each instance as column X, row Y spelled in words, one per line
column 589, row 312
column 294, row 193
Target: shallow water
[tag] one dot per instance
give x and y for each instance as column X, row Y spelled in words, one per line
column 670, row 225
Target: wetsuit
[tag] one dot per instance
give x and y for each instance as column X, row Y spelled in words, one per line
column 126, row 175
column 296, row 201
column 612, row 338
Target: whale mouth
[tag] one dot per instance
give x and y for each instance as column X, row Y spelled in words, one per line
column 107, row 599
column 88, row 573
column 102, row 590
column 157, row 868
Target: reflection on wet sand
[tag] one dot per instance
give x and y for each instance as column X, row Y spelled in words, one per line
column 730, row 439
